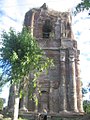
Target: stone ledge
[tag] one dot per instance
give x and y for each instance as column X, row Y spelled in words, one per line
column 61, row 114
column 51, row 48
column 54, row 116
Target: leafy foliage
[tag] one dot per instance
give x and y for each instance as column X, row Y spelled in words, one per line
column 21, row 55
column 1, row 103
column 86, row 106
column 84, row 5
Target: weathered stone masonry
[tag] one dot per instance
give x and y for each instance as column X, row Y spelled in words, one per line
column 61, row 87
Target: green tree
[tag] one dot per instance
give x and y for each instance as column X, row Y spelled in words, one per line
column 21, row 55
column 84, row 5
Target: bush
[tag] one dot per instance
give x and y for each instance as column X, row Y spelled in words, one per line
column 86, row 106
column 1, row 103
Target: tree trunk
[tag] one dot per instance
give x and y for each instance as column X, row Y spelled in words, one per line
column 16, row 103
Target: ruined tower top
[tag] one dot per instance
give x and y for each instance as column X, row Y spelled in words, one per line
column 45, row 23
column 44, row 6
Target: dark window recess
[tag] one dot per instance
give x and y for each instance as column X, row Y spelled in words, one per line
column 42, row 116
column 68, row 26
column 47, row 28
column 43, row 91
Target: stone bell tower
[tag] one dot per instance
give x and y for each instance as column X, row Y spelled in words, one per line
column 61, row 87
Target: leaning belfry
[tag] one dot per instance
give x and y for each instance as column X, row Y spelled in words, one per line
column 61, row 87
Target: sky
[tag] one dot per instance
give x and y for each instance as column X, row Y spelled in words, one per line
column 12, row 15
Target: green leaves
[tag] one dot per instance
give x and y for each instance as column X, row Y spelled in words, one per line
column 1, row 103
column 21, row 55
column 86, row 106
column 15, row 56
column 84, row 5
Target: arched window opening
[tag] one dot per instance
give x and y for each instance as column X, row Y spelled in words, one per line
column 47, row 28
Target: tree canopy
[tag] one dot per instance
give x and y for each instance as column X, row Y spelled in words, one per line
column 20, row 55
column 84, row 5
